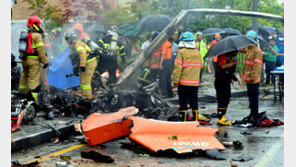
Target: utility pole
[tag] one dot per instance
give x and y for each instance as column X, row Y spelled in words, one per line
column 148, row 7
column 255, row 19
column 185, row 8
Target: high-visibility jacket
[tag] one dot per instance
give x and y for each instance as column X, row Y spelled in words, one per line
column 187, row 67
column 38, row 46
column 253, row 64
column 215, row 58
column 82, row 50
column 202, row 47
column 104, row 43
column 166, row 50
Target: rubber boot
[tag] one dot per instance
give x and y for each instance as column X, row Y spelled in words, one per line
column 221, row 120
column 195, row 115
column 183, row 115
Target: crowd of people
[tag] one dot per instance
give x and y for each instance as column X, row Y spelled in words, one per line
column 177, row 63
column 188, row 61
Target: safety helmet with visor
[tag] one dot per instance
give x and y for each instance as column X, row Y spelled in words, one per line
column 187, row 36
column 70, row 38
column 35, row 23
column 252, row 34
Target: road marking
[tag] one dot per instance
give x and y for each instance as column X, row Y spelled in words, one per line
column 57, row 153
column 271, row 153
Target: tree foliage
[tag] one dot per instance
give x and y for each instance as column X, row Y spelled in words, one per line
column 85, row 10
column 43, row 10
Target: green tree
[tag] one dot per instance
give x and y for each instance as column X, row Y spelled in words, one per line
column 43, row 10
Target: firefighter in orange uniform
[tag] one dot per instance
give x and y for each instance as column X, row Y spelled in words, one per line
column 251, row 75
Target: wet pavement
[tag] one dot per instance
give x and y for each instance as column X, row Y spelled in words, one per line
column 264, row 144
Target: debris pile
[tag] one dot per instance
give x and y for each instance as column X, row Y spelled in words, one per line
column 65, row 103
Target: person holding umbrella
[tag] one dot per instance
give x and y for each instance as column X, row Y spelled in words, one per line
column 186, row 72
column 227, row 50
column 226, row 64
column 251, row 75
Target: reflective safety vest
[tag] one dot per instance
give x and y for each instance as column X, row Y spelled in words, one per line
column 202, row 47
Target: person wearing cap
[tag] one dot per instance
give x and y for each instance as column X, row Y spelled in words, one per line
column 251, row 75
column 215, row 58
column 186, row 72
column 202, row 47
column 270, row 59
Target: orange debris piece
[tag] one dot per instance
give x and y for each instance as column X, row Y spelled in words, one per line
column 99, row 128
column 180, row 136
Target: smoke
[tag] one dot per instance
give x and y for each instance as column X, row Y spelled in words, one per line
column 16, row 27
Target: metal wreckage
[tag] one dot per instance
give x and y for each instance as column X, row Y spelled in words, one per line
column 130, row 109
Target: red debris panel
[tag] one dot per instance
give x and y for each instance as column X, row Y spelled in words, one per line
column 99, row 128
column 180, row 136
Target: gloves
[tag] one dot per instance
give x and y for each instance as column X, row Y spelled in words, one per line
column 75, row 71
column 82, row 69
column 45, row 65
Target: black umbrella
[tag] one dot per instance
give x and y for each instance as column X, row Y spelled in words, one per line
column 212, row 31
column 262, row 30
column 229, row 44
column 154, row 22
column 232, row 31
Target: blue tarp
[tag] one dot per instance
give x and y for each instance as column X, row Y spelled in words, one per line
column 60, row 66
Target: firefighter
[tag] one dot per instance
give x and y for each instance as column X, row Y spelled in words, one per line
column 86, row 63
column 78, row 30
column 48, row 53
column 35, row 54
column 111, row 47
column 226, row 64
column 56, row 39
column 251, row 75
column 186, row 73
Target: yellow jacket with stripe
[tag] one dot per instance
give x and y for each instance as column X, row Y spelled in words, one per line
column 253, row 64
column 187, row 66
column 38, row 46
column 82, row 50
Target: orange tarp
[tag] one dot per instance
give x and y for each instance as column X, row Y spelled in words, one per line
column 179, row 136
column 99, row 128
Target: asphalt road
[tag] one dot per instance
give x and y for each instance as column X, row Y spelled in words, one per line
column 265, row 145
